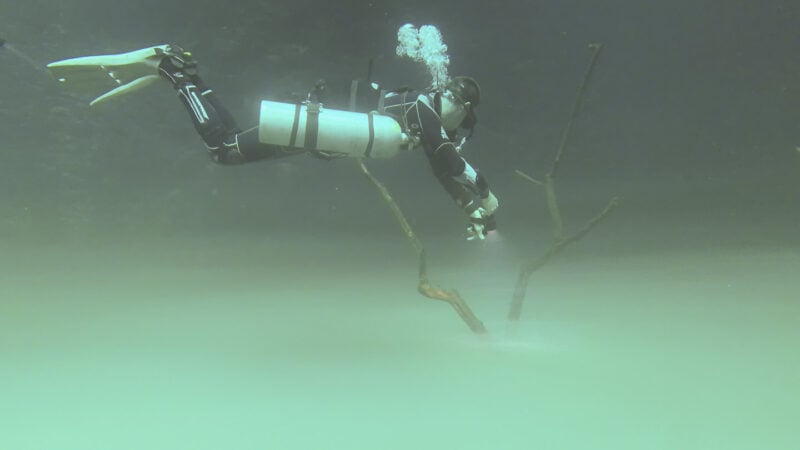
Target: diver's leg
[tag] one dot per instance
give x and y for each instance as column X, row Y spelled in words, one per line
column 213, row 122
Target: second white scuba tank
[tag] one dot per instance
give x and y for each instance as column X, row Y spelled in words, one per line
column 329, row 131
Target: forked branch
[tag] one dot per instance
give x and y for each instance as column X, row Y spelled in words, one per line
column 424, row 286
column 560, row 242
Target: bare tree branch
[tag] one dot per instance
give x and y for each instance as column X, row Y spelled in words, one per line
column 559, row 241
column 525, row 272
column 529, row 179
column 424, row 286
column 576, row 108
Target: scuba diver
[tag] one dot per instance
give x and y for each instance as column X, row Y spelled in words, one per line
column 401, row 119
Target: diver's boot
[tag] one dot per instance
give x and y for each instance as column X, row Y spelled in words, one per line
column 178, row 66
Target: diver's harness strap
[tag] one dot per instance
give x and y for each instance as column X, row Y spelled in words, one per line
column 382, row 101
column 353, row 94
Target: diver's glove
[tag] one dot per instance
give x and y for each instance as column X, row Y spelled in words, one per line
column 481, row 221
column 480, row 224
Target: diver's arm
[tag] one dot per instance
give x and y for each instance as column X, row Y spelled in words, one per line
column 445, row 160
column 442, row 154
column 468, row 188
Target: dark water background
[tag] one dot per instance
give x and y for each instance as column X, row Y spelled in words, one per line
column 150, row 298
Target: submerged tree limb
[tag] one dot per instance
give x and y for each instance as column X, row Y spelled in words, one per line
column 576, row 108
column 556, row 247
column 552, row 207
column 559, row 241
column 528, row 178
column 425, row 287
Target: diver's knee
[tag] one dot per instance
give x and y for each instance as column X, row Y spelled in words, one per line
column 226, row 155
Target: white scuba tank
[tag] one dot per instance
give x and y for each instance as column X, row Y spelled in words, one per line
column 313, row 127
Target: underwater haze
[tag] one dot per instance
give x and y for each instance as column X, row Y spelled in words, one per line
column 150, row 298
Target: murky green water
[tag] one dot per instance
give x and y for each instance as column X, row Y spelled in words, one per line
column 208, row 344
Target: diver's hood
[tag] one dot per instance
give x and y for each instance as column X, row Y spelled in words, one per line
column 467, row 91
column 452, row 111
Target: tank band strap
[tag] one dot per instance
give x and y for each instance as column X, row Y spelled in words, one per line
column 371, row 142
column 312, row 126
column 295, row 125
